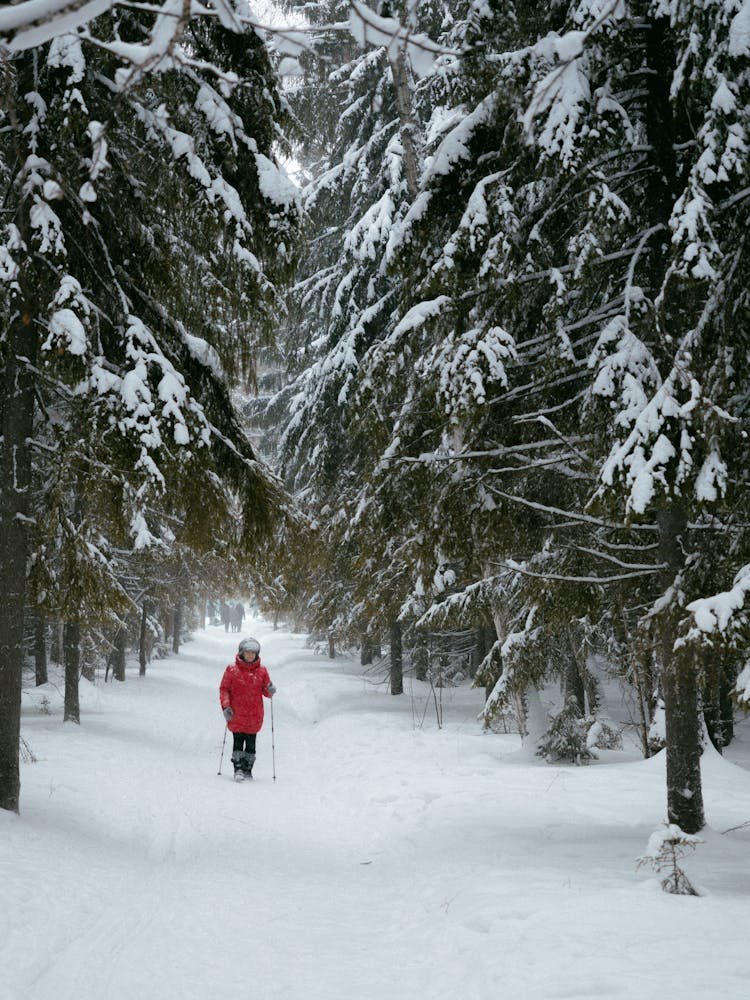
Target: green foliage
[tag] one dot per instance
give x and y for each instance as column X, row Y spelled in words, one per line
column 567, row 737
column 153, row 231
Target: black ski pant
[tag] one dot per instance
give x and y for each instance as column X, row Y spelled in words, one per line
column 244, row 741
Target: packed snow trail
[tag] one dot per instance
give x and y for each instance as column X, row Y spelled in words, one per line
column 388, row 862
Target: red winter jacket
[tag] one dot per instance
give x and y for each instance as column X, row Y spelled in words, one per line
column 242, row 689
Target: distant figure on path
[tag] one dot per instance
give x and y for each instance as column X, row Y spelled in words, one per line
column 238, row 617
column 226, row 614
column 243, row 687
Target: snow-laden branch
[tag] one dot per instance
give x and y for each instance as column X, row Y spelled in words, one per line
column 368, row 28
column 570, row 515
column 30, row 23
column 715, row 614
column 515, row 567
column 564, row 89
column 34, row 22
column 613, row 559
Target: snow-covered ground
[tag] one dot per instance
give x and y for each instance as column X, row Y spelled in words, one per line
column 390, row 860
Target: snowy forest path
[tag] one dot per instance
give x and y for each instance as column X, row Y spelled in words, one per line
column 390, row 860
column 217, row 885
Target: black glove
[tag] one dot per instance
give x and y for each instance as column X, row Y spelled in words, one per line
column 228, row 713
column 271, row 690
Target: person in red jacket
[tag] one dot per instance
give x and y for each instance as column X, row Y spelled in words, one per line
column 244, row 685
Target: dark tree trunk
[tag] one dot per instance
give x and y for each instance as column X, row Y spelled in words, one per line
column 711, row 698
column 365, row 652
column 397, row 664
column 142, row 640
column 679, row 681
column 118, row 655
column 17, row 391
column 88, row 658
column 331, row 645
column 486, row 638
column 681, row 695
column 40, row 649
column 684, row 790
column 726, row 701
column 72, row 658
column 56, row 644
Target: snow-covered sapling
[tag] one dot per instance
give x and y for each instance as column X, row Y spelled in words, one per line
column 567, row 737
column 665, row 849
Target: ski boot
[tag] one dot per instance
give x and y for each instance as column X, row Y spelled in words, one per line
column 247, row 765
column 238, row 760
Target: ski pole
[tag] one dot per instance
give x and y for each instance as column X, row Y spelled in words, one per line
column 221, row 759
column 273, row 744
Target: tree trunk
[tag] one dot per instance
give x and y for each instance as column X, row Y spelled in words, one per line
column 680, row 692
column 402, row 86
column 573, row 687
column 88, row 657
column 177, row 627
column 17, row 390
column 118, row 655
column 331, row 645
column 56, row 644
column 365, row 652
column 40, row 649
column 684, row 791
column 397, row 665
column 142, row 640
column 72, row 658
column 637, row 661
column 486, row 639
column 726, row 700
column 711, row 697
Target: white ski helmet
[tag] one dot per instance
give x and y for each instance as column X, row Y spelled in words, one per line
column 251, row 645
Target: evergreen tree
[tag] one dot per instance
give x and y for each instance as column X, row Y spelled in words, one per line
column 548, row 395
column 621, row 330
column 146, row 226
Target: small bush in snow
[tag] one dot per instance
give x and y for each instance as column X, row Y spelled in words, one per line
column 665, row 849
column 567, row 737
column 601, row 736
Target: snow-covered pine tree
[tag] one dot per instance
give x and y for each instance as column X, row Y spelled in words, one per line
column 662, row 91
column 145, row 230
column 454, row 398
column 573, row 249
column 360, row 189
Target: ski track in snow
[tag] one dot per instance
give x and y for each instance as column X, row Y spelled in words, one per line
column 388, row 861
